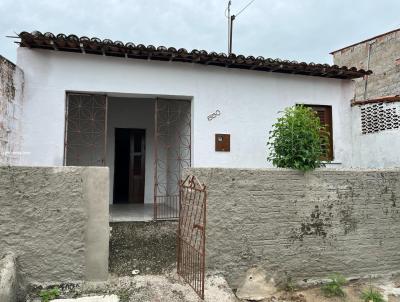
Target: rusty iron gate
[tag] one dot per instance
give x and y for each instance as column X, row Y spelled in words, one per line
column 172, row 153
column 191, row 233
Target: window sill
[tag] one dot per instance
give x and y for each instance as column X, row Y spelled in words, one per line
column 331, row 163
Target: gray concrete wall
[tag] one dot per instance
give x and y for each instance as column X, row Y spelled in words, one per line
column 56, row 222
column 384, row 62
column 304, row 225
column 11, row 91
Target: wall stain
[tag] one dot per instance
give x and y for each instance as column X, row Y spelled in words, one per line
column 315, row 225
column 393, row 199
column 347, row 220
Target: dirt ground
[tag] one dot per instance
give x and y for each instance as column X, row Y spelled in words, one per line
column 389, row 287
column 149, row 247
column 168, row 287
column 145, row 288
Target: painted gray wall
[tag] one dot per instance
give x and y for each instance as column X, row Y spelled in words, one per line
column 55, row 219
column 308, row 225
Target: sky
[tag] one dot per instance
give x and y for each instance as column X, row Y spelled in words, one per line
column 301, row 30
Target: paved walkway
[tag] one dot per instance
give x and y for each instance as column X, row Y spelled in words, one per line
column 131, row 212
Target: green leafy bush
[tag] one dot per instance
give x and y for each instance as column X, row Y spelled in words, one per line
column 298, row 140
column 47, row 295
column 371, row 295
column 334, row 287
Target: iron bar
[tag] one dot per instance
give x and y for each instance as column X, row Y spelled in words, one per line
column 172, row 153
column 85, row 130
column 191, row 233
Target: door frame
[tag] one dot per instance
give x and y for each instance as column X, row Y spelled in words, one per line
column 134, row 131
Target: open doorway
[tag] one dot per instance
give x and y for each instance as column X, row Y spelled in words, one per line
column 113, row 131
column 129, row 165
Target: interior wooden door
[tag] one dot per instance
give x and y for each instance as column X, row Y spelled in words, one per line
column 129, row 165
column 137, row 166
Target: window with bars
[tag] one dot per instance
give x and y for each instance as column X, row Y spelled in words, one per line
column 324, row 113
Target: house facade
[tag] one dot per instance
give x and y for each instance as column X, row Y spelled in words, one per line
column 376, row 102
column 147, row 112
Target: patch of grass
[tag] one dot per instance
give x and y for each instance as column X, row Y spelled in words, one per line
column 47, row 295
column 371, row 295
column 289, row 285
column 124, row 296
column 334, row 287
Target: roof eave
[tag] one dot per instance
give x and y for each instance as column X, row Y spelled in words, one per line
column 73, row 43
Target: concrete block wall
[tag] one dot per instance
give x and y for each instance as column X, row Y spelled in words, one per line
column 302, row 225
column 11, row 91
column 55, row 220
column 384, row 62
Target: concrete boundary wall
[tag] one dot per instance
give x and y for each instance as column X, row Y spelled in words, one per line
column 305, row 226
column 55, row 220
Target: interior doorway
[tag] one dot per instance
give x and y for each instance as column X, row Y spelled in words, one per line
column 129, row 165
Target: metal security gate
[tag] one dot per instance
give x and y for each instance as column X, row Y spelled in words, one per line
column 172, row 153
column 85, row 130
column 191, row 233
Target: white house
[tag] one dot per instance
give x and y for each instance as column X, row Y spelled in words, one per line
column 147, row 112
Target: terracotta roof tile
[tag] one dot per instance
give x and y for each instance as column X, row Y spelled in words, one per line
column 73, row 43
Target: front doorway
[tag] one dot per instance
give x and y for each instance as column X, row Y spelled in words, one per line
column 103, row 130
column 129, row 166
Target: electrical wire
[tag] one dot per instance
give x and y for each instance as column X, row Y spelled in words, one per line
column 248, row 4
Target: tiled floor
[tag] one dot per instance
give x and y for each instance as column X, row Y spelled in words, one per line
column 131, row 212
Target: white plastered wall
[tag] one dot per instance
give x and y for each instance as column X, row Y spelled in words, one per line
column 374, row 150
column 249, row 102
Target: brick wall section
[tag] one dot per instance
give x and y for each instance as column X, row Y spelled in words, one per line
column 11, row 90
column 307, row 225
column 384, row 62
column 55, row 220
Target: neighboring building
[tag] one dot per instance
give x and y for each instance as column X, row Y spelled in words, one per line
column 376, row 104
column 11, row 89
column 381, row 54
column 149, row 112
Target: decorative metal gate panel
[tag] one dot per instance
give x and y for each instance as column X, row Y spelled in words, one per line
column 85, row 130
column 191, row 233
column 172, row 153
